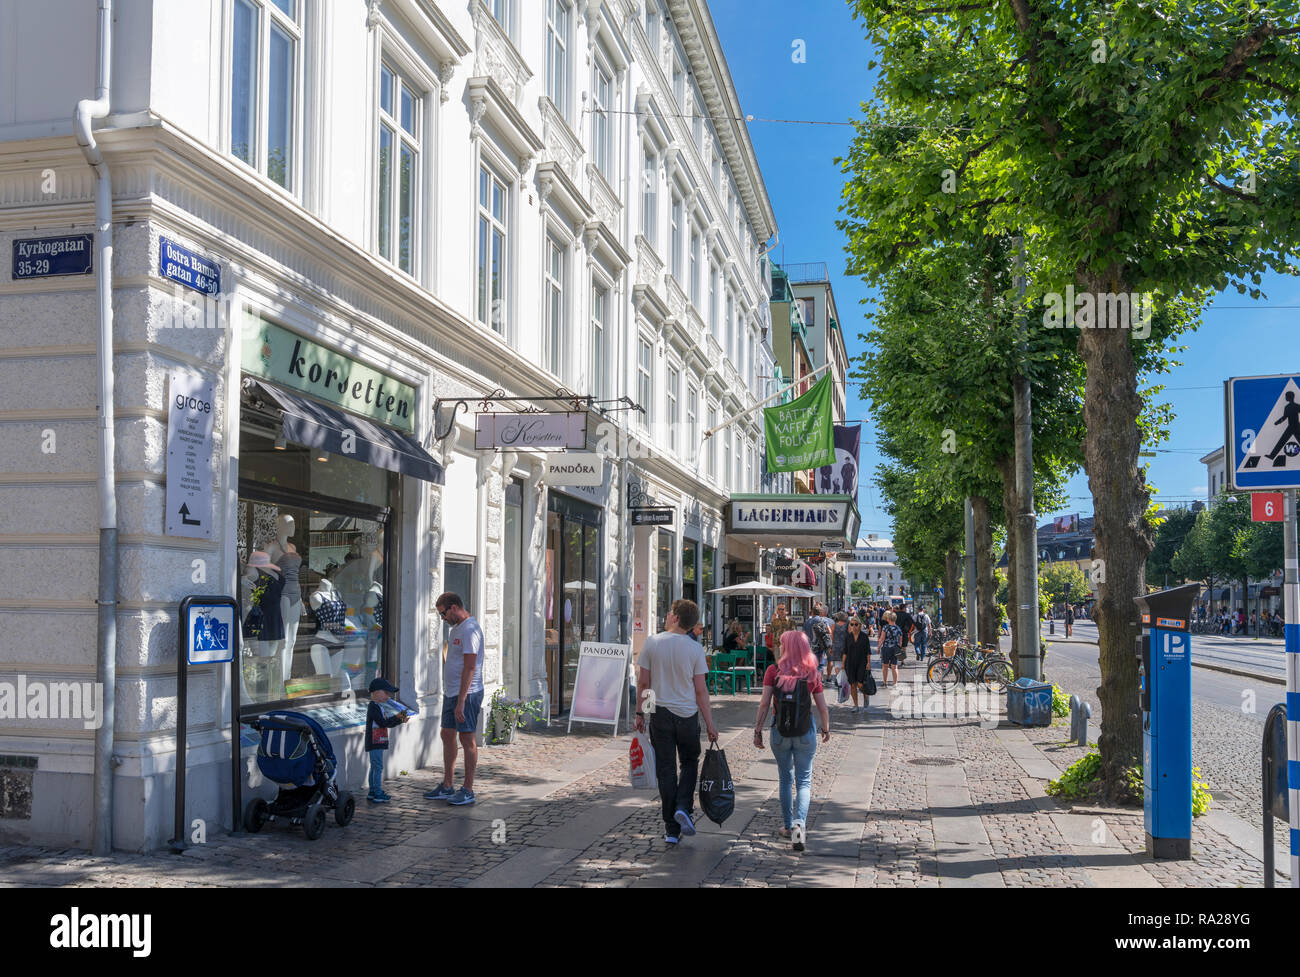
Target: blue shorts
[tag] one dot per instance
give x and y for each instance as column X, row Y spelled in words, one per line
column 473, row 702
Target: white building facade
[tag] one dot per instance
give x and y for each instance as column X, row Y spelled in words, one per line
column 875, row 562
column 490, row 207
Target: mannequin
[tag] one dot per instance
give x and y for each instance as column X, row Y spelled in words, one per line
column 328, row 660
column 263, row 623
column 285, row 554
column 373, row 617
column 332, row 630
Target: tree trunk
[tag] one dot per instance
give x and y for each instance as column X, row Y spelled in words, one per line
column 1123, row 539
column 1006, row 468
column 985, row 586
column 952, row 589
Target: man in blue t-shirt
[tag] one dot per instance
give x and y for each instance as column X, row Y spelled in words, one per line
column 462, row 697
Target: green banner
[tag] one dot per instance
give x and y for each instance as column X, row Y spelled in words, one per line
column 799, row 434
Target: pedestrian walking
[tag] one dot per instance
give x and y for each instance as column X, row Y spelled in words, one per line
column 377, row 727
column 857, row 663
column 905, row 625
column 671, row 668
column 1069, row 620
column 891, row 648
column 790, row 688
column 462, row 698
column 921, row 636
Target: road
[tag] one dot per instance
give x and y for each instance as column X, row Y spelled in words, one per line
column 1260, row 656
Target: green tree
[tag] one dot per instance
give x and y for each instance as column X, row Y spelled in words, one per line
column 1170, row 534
column 1052, row 580
column 1140, row 148
column 859, row 588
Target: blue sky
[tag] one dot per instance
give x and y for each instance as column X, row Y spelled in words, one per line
column 1237, row 337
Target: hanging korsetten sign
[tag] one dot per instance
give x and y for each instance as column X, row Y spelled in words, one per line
column 539, row 432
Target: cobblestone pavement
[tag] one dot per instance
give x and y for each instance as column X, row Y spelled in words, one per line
column 899, row 800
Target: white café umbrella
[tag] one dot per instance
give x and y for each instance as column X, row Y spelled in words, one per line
column 756, row 589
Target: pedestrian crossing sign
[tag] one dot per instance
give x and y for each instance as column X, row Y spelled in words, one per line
column 1263, row 431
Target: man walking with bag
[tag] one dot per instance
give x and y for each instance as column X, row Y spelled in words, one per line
column 671, row 688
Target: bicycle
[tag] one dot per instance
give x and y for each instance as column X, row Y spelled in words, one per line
column 988, row 667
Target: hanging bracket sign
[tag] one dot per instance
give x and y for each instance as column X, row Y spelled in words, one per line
column 540, row 432
column 652, row 515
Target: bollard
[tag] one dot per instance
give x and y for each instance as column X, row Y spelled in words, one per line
column 1080, row 713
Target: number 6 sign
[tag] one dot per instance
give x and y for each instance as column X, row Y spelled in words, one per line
column 1266, row 507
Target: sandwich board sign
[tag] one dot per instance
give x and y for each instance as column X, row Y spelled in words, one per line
column 1263, row 431
column 598, row 686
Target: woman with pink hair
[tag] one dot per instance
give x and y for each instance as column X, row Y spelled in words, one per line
column 795, row 683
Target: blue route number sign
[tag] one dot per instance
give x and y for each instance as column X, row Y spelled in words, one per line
column 1263, row 431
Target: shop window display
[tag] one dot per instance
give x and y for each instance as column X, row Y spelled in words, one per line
column 312, row 585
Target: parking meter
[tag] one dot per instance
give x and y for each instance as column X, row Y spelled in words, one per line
column 1165, row 697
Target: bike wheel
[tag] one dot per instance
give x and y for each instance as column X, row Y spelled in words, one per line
column 995, row 675
column 942, row 674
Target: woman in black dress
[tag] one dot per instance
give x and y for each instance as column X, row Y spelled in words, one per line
column 857, row 661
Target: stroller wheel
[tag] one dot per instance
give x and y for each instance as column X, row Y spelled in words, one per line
column 313, row 823
column 256, row 814
column 346, row 807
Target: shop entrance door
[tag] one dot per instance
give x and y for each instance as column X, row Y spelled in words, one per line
column 573, row 592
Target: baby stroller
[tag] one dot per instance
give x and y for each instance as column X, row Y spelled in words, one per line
column 296, row 754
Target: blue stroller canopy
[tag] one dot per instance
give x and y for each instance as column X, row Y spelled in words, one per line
column 285, row 753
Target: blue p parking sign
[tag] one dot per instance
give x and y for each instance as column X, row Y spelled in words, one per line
column 1263, row 431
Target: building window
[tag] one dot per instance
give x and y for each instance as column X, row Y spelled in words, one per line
column 493, row 201
column 645, row 383
column 399, row 169
column 808, row 310
column 264, row 59
column 692, row 421
column 557, row 54
column 674, row 378
column 679, row 83
column 726, row 458
column 695, row 267
column 601, row 148
column 554, row 299
column 731, row 327
column 649, row 197
column 500, row 10
column 675, row 244
column 713, row 299
column 599, row 306
column 713, row 454
column 652, row 27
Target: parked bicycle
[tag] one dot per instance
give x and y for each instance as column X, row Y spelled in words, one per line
column 988, row 667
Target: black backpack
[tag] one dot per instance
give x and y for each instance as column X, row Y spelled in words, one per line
column 821, row 636
column 794, row 709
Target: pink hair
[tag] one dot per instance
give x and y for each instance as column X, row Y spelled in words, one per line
column 797, row 660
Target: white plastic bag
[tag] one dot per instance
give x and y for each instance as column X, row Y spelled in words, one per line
column 641, row 762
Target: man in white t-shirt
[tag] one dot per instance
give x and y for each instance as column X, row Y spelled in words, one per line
column 462, row 698
column 671, row 688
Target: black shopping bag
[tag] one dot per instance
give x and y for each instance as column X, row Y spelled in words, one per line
column 717, row 794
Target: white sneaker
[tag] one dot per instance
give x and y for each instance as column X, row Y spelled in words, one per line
column 799, row 835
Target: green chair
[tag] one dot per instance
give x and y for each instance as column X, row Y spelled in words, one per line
column 719, row 672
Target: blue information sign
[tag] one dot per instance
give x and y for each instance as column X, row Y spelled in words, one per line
column 70, row 254
column 1263, row 431
column 188, row 267
column 208, row 629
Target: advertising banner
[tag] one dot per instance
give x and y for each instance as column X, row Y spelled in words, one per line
column 799, row 434
column 841, row 478
column 598, row 686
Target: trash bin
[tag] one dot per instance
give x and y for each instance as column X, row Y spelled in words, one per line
column 1029, row 703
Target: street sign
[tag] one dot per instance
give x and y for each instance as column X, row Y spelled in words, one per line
column 1266, row 507
column 208, row 630
column 37, row 257
column 652, row 515
column 188, row 267
column 832, row 546
column 1263, row 431
column 188, row 496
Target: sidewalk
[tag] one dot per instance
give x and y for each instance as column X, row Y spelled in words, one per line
column 897, row 802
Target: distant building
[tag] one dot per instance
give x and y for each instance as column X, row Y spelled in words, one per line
column 1216, row 473
column 875, row 561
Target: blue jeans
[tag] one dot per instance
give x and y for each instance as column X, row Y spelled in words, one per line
column 920, row 642
column 376, row 773
column 794, row 759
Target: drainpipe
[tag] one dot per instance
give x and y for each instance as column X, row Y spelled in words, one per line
column 106, row 645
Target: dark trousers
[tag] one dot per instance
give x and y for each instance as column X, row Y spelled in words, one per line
column 673, row 738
